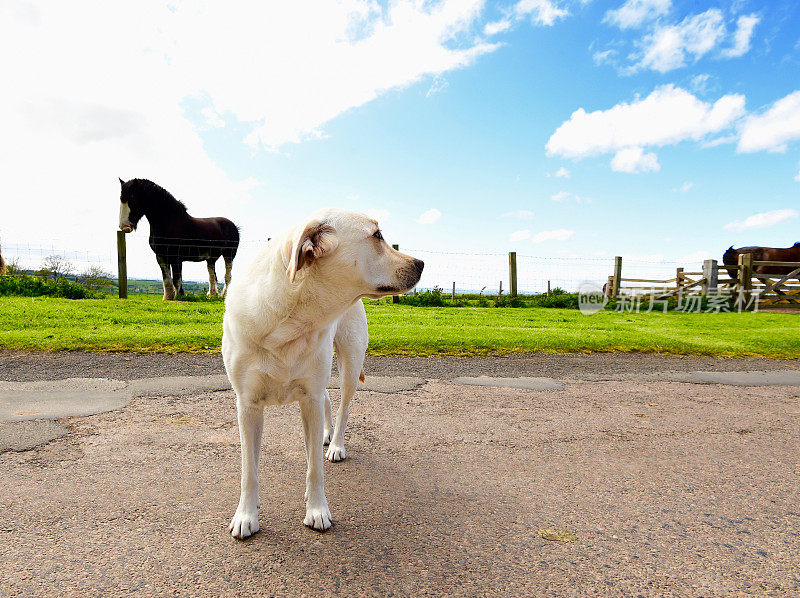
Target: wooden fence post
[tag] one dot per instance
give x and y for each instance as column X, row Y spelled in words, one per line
column 710, row 277
column 678, row 279
column 454, row 291
column 548, row 288
column 396, row 298
column 745, row 276
column 500, row 292
column 512, row 273
column 122, row 265
column 617, row 277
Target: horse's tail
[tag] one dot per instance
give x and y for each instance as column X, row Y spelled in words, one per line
column 231, row 234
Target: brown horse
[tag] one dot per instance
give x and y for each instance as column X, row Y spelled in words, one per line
column 763, row 254
column 177, row 237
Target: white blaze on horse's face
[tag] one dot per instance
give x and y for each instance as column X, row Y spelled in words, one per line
column 125, row 217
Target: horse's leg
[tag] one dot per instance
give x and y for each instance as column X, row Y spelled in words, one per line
column 177, row 278
column 228, row 266
column 212, row 278
column 169, row 288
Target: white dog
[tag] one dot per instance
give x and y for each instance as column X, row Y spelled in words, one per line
column 283, row 316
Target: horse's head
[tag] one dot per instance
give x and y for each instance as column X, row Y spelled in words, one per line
column 131, row 209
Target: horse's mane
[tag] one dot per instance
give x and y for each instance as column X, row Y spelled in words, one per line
column 160, row 194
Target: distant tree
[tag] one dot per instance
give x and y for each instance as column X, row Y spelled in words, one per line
column 13, row 268
column 95, row 278
column 56, row 267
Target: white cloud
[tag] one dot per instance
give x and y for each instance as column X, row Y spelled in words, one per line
column 315, row 60
column 605, row 56
column 538, row 12
column 430, row 216
column 438, row 86
column 773, row 129
column 562, row 172
column 634, row 160
column 496, row 27
column 762, row 220
column 541, row 12
column 378, row 214
column 686, row 186
column 519, row 214
column 668, row 46
column 635, row 13
column 212, row 119
column 667, row 116
column 699, row 83
column 519, row 235
column 721, row 140
column 797, row 176
column 560, row 234
column 563, row 196
column 741, row 38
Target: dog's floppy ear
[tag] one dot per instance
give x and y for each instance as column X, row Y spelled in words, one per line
column 315, row 240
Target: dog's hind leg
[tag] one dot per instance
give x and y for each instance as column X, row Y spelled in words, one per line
column 318, row 515
column 328, row 430
column 251, row 424
column 351, row 342
column 350, row 368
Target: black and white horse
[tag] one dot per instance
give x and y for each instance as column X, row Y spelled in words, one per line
column 175, row 236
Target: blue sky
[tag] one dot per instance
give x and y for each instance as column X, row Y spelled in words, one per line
column 651, row 129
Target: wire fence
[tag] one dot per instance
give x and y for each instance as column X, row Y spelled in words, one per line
column 485, row 273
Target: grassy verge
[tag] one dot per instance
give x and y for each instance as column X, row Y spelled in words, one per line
column 146, row 324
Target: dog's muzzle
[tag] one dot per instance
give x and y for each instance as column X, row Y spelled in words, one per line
column 409, row 278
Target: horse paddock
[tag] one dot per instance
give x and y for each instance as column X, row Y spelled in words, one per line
column 660, row 476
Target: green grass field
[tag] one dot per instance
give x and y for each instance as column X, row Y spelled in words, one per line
column 146, row 324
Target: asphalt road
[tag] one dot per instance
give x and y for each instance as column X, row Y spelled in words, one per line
column 21, row 365
column 672, row 488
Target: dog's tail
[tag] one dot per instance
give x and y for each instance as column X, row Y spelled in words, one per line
column 362, row 377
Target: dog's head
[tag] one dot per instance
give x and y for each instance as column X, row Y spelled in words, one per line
column 348, row 250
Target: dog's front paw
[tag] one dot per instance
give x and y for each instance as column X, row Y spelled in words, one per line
column 318, row 518
column 335, row 453
column 243, row 524
column 326, row 437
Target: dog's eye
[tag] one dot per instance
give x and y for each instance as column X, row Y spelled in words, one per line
column 378, row 235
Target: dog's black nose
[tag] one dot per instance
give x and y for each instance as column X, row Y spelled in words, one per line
column 419, row 265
